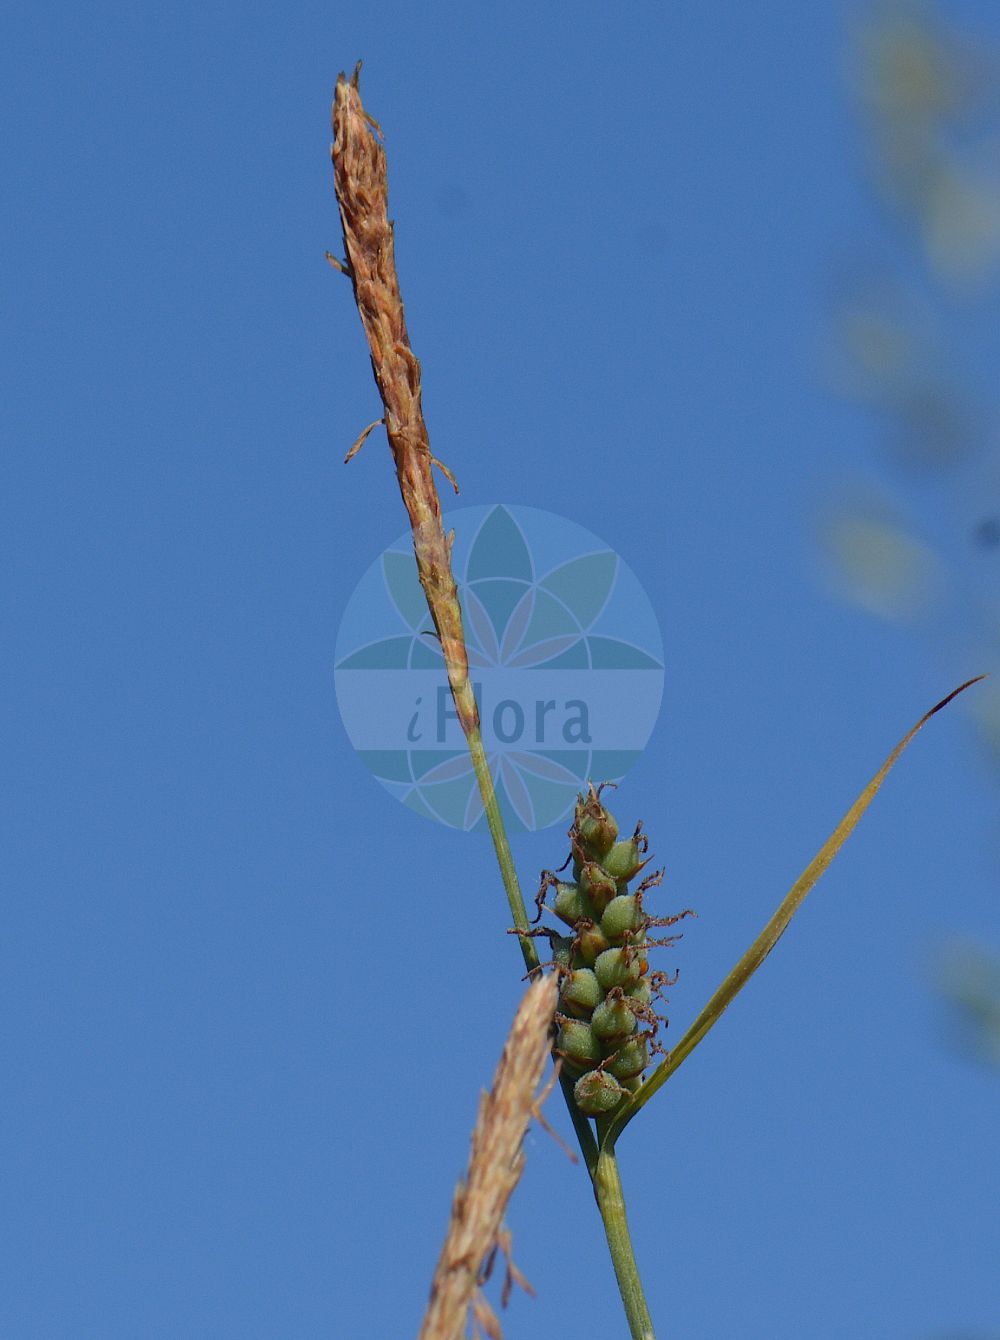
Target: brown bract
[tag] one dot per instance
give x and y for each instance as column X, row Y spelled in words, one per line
column 495, row 1165
column 362, row 188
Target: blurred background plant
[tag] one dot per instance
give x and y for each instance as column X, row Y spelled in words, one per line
column 969, row 977
column 914, row 537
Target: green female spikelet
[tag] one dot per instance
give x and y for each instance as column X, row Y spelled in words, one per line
column 607, row 1026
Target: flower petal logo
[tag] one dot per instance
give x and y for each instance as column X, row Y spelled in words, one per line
column 564, row 653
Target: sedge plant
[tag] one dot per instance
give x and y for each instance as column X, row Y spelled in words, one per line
column 605, row 1032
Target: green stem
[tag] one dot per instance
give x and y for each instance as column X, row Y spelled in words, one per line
column 610, row 1200
column 501, row 846
column 512, row 887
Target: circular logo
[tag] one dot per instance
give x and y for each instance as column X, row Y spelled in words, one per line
column 564, row 654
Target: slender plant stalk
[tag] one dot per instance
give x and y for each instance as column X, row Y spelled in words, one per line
column 611, row 1202
column 501, row 845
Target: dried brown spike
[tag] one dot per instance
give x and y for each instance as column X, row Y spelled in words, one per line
column 497, row 1159
column 361, row 182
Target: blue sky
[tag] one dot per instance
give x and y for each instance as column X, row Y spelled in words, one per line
column 248, row 999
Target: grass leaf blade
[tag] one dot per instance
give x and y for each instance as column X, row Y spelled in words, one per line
column 773, row 931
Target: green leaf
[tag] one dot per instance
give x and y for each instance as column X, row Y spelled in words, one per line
column 770, row 935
